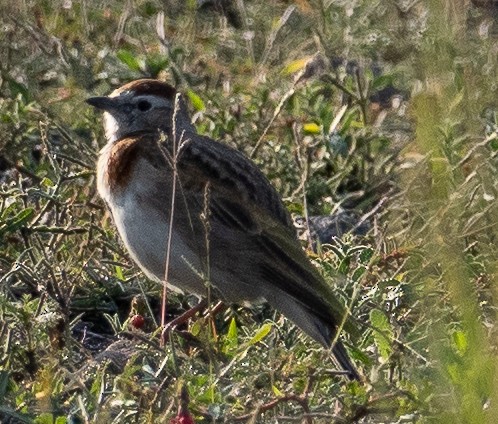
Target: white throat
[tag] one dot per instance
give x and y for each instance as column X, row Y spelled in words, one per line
column 111, row 127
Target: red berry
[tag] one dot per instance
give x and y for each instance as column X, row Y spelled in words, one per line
column 137, row 321
column 183, row 417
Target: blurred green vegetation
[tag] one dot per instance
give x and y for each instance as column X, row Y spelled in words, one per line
column 387, row 107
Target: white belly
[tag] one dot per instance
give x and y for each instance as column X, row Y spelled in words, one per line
column 145, row 230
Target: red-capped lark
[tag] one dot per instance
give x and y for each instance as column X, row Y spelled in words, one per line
column 228, row 225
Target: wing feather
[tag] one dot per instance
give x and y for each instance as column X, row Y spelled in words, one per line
column 242, row 200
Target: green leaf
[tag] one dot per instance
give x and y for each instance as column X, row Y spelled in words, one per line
column 296, row 207
column 494, row 143
column 358, row 272
column 460, row 341
column 343, row 267
column 347, row 121
column 453, row 371
column 148, row 9
column 208, row 394
column 47, row 182
column 359, row 355
column 14, row 223
column 276, row 392
column 196, row 328
column 391, row 285
column 232, row 332
column 382, row 81
column 457, row 100
column 382, row 333
column 18, row 88
column 357, row 124
column 4, row 381
column 295, row 66
column 261, row 334
column 366, row 255
column 128, row 58
column 118, row 270
column 156, row 63
column 196, row 101
column 45, row 418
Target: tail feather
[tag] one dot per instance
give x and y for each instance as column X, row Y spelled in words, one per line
column 317, row 327
column 343, row 361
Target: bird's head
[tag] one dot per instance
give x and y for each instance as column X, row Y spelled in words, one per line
column 140, row 106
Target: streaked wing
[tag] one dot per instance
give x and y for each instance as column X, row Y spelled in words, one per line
column 231, row 174
column 242, row 200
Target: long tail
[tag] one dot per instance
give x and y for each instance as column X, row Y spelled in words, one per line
column 343, row 361
column 318, row 328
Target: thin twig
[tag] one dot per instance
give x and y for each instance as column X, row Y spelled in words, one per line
column 176, row 150
column 362, row 99
column 471, row 151
column 273, row 35
column 22, row 170
column 340, row 86
column 366, row 216
column 57, row 230
column 277, row 111
column 171, row 217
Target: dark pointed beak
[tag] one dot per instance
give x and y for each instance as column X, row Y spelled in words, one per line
column 104, row 103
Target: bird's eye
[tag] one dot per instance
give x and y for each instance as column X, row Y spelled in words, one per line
column 143, row 105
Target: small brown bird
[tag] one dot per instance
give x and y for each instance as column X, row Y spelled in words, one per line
column 171, row 189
